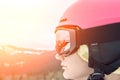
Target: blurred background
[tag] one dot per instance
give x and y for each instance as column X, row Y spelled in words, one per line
column 30, row 23
column 27, row 39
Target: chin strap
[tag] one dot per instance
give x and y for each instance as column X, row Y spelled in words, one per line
column 98, row 72
column 96, row 76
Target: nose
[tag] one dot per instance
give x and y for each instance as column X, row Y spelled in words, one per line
column 58, row 57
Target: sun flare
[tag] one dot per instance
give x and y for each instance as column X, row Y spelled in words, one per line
column 29, row 22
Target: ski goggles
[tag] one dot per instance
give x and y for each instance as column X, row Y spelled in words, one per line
column 70, row 37
column 66, row 39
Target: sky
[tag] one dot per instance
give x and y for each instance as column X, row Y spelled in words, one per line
column 30, row 23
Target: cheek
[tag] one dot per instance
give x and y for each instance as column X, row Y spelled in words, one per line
column 75, row 68
column 72, row 71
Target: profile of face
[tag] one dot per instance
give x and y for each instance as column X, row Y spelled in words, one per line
column 74, row 66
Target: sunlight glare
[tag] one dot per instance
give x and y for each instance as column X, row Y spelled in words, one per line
column 29, row 22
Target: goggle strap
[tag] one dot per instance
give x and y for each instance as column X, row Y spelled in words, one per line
column 100, row 34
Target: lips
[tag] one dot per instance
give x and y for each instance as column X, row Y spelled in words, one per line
column 64, row 67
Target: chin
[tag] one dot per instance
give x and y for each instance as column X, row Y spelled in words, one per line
column 68, row 75
column 72, row 74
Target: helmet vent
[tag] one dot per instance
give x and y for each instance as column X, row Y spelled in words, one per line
column 62, row 20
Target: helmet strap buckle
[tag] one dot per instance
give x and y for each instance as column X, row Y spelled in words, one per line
column 96, row 76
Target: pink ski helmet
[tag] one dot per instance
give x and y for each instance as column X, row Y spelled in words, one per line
column 91, row 13
column 86, row 21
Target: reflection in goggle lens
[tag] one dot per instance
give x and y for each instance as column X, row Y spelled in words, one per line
column 62, row 41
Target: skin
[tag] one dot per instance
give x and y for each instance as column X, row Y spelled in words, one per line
column 75, row 68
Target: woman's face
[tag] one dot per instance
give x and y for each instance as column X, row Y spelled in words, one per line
column 74, row 67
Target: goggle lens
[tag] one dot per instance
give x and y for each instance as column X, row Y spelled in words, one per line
column 62, row 41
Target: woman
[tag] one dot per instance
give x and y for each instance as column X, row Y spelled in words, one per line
column 85, row 24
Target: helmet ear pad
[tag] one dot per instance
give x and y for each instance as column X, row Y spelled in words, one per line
column 105, row 53
column 83, row 52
